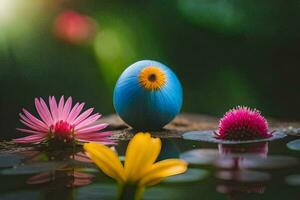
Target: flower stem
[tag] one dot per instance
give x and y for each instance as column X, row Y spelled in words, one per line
column 130, row 192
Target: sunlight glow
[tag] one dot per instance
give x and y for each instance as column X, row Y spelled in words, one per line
column 7, row 11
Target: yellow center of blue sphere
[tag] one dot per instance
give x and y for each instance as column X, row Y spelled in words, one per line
column 152, row 78
column 147, row 95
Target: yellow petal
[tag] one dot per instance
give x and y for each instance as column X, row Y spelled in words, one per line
column 106, row 159
column 141, row 153
column 163, row 169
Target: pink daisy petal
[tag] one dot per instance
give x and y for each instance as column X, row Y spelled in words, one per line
column 71, row 113
column 67, row 108
column 46, row 110
column 83, row 116
column 96, row 137
column 30, row 131
column 60, row 107
column 92, row 128
column 94, row 134
column 53, row 108
column 41, row 112
column 31, row 139
column 25, row 120
column 88, row 121
column 34, row 127
column 75, row 112
column 34, row 119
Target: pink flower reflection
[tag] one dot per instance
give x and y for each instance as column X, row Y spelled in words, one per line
column 260, row 149
column 71, row 178
column 235, row 179
column 82, row 157
column 238, row 188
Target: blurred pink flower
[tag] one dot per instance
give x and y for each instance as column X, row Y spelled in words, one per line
column 63, row 123
column 74, row 28
column 243, row 123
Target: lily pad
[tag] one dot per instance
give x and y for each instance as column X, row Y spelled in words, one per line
column 294, row 145
column 292, row 131
column 209, row 136
column 271, row 162
column 31, row 168
column 9, row 159
column 191, row 175
column 243, row 176
column 200, row 156
column 228, row 162
column 293, row 180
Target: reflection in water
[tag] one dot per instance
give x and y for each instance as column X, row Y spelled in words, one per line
column 235, row 172
column 9, row 159
column 169, row 149
column 236, row 189
column 82, row 157
column 260, row 149
column 234, row 155
column 69, row 173
column 240, row 191
column 243, row 176
column 200, row 156
column 59, row 183
column 235, row 181
column 72, row 178
column 55, row 173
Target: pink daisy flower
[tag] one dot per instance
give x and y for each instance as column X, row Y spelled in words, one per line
column 62, row 122
column 243, row 123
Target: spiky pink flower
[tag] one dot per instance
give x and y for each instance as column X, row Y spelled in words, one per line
column 243, row 123
column 62, row 122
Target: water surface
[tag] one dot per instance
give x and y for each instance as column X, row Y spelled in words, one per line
column 256, row 171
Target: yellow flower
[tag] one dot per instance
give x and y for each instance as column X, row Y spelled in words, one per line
column 152, row 78
column 139, row 168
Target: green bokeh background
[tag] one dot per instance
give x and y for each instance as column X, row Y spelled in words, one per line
column 225, row 52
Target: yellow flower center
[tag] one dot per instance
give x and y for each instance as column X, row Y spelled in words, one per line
column 152, row 78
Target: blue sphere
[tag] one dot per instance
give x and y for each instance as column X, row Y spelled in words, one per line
column 147, row 95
